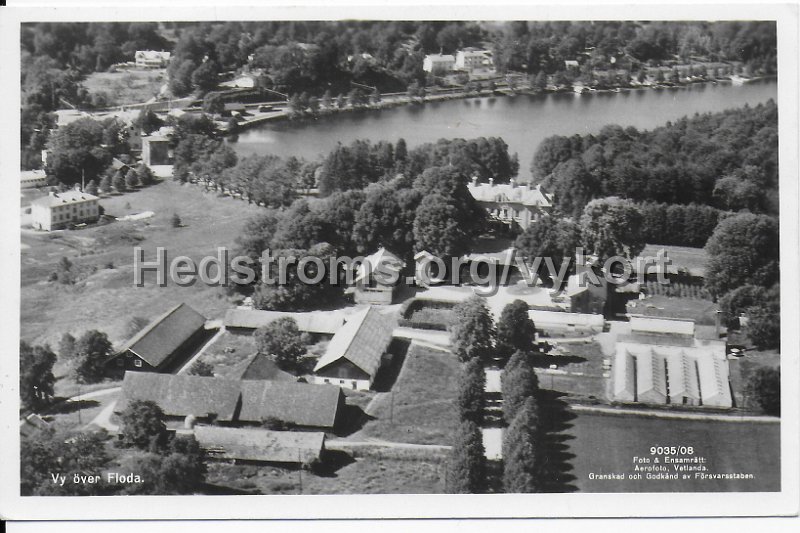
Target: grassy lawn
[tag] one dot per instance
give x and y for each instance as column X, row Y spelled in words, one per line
column 423, row 409
column 129, row 87
column 692, row 259
column 584, row 366
column 702, row 311
column 106, row 298
column 367, row 471
column 228, row 351
column 608, row 443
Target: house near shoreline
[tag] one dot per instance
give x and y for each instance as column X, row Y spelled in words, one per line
column 164, row 343
column 58, row 210
column 666, row 361
column 188, row 401
column 511, row 203
column 151, row 59
column 470, row 59
column 438, row 63
column 357, row 351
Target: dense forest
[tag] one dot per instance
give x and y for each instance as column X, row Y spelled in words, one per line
column 726, row 160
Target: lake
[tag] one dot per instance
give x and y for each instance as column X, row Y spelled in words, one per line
column 522, row 120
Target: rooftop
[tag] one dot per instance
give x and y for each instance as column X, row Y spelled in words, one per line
column 258, row 367
column 72, row 196
column 301, row 404
column 327, row 322
column 159, row 339
column 182, row 395
column 362, row 340
column 509, row 192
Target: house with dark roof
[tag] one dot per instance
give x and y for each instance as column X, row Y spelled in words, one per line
column 357, row 351
column 188, row 400
column 250, row 445
column 298, row 405
column 259, row 367
column 185, row 399
column 163, row 344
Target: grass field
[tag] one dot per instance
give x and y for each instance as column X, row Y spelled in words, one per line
column 608, row 443
column 423, row 409
column 129, row 87
column 368, row 471
column 701, row 311
column 692, row 259
column 106, row 298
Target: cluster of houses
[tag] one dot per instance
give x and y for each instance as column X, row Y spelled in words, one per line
column 467, row 60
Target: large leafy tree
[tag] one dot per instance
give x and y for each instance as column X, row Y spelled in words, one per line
column 744, row 249
column 77, row 150
column 438, row 228
column 556, row 238
column 472, row 332
column 612, row 227
column 36, row 378
column 515, row 330
column 143, row 425
column 281, row 339
column 92, row 350
column 466, row 465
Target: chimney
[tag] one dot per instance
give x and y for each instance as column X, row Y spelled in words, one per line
column 512, row 182
column 491, row 182
column 474, row 181
column 717, row 323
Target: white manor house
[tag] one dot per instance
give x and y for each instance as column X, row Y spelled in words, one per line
column 510, row 202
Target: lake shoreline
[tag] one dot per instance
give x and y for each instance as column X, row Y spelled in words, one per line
column 404, row 101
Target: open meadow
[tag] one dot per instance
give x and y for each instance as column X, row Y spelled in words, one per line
column 104, row 297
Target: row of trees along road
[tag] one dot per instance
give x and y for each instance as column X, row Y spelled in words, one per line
column 477, row 342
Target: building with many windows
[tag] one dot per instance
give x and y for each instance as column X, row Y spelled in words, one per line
column 59, row 210
column 438, row 63
column 151, row 59
column 470, row 59
column 511, row 203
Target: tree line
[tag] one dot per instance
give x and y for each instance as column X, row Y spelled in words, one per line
column 478, row 343
column 727, row 160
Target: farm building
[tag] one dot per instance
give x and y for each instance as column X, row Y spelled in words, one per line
column 377, row 278
column 316, row 322
column 188, row 399
column 357, row 351
column 185, row 399
column 662, row 362
column 163, row 344
column 299, row 405
column 260, row 445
